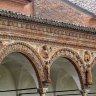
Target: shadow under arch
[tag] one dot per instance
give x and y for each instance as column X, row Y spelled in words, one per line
column 29, row 53
column 6, row 76
column 75, row 60
column 93, row 70
column 93, row 62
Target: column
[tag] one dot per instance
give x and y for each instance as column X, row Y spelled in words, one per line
column 85, row 92
column 42, row 91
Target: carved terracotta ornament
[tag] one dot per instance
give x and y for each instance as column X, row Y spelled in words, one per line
column 47, row 72
column 44, row 52
column 89, row 75
column 87, row 56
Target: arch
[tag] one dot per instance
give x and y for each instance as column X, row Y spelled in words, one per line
column 74, row 58
column 29, row 53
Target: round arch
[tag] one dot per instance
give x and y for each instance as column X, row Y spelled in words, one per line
column 29, row 53
column 74, row 58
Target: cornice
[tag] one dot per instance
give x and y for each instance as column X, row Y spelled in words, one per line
column 34, row 28
column 14, row 29
column 37, row 39
column 24, row 18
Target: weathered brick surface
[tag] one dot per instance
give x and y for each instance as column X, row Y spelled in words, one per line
column 50, row 9
column 14, row 5
column 92, row 22
column 20, row 1
column 61, row 11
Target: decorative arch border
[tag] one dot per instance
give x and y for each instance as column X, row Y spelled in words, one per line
column 30, row 53
column 76, row 60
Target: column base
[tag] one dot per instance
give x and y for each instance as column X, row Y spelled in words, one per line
column 85, row 92
column 43, row 91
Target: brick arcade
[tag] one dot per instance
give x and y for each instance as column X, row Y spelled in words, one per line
column 42, row 56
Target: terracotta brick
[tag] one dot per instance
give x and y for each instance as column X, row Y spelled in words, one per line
column 51, row 9
column 92, row 22
column 61, row 11
column 13, row 5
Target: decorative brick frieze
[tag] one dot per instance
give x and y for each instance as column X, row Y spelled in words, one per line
column 32, row 31
column 63, row 10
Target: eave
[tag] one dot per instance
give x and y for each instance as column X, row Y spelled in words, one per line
column 17, row 16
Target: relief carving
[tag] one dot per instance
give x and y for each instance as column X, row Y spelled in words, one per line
column 87, row 56
column 44, row 52
column 89, row 75
column 47, row 72
column 28, row 51
column 74, row 57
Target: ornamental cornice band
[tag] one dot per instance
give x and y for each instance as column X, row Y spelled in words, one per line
column 10, row 14
column 50, row 33
column 82, row 45
column 37, row 28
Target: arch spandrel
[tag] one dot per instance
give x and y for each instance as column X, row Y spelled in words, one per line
column 74, row 58
column 28, row 52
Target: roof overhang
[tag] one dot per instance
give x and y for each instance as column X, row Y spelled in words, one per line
column 30, row 19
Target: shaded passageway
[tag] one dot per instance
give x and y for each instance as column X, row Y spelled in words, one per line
column 16, row 72
column 65, row 80
column 92, row 89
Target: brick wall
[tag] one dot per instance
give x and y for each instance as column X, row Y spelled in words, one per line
column 61, row 11
column 92, row 22
column 50, row 9
column 13, row 5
